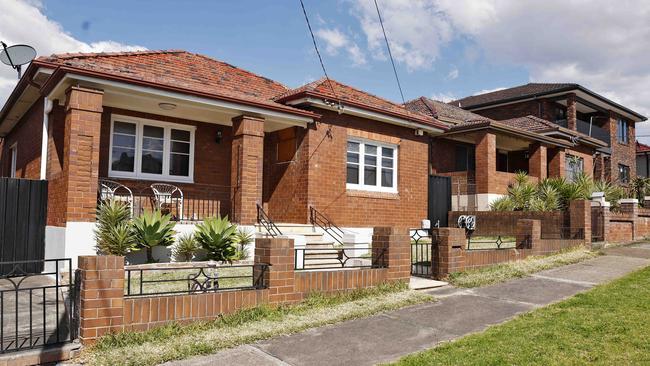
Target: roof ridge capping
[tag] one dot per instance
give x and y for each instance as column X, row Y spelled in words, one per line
column 69, row 55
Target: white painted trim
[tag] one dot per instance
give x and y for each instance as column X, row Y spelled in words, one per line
column 13, row 151
column 186, row 97
column 137, row 174
column 47, row 108
column 376, row 188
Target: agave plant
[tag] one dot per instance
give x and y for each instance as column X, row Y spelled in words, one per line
column 186, row 248
column 153, row 229
column 504, row 203
column 218, row 237
column 113, row 233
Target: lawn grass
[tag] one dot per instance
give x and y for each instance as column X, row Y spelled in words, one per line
column 505, row 271
column 609, row 325
column 173, row 341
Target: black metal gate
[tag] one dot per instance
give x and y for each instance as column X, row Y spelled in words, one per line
column 23, row 212
column 439, row 200
column 422, row 253
column 37, row 309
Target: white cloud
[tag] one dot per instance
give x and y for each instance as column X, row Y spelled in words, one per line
column 24, row 22
column 453, row 73
column 444, row 97
column 335, row 40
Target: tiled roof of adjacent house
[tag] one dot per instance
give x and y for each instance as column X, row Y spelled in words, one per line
column 642, row 148
column 530, row 123
column 443, row 111
column 350, row 95
column 521, row 91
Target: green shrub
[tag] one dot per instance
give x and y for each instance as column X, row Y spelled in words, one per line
column 218, row 237
column 242, row 239
column 186, row 248
column 114, row 234
column 153, row 229
column 504, row 203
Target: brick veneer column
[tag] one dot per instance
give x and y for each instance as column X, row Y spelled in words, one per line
column 486, row 163
column 556, row 165
column 580, row 219
column 571, row 112
column 529, row 234
column 630, row 206
column 392, row 247
column 101, row 296
column 537, row 161
column 246, row 168
column 279, row 254
column 449, row 251
column 83, row 111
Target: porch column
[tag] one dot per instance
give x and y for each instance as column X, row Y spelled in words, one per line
column 556, row 164
column 486, row 163
column 83, row 112
column 537, row 161
column 246, row 168
column 571, row 115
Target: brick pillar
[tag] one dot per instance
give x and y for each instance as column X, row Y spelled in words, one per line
column 537, row 161
column 279, row 254
column 486, row 163
column 83, row 112
column 528, row 235
column 392, row 247
column 599, row 167
column 571, row 112
column 449, row 251
column 630, row 206
column 580, row 220
column 556, row 165
column 101, row 296
column 246, row 168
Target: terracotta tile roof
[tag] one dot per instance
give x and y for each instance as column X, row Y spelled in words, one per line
column 642, row 148
column 443, row 111
column 356, row 97
column 521, row 91
column 531, row 123
column 178, row 69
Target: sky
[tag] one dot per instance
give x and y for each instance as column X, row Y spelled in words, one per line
column 443, row 49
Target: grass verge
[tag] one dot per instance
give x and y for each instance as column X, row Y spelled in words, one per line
column 173, row 342
column 505, row 271
column 608, row 325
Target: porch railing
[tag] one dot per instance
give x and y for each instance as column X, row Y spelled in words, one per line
column 266, row 222
column 318, row 219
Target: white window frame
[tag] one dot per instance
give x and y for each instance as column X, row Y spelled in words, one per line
column 362, row 147
column 137, row 174
column 13, row 153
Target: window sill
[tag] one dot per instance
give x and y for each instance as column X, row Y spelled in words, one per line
column 372, row 194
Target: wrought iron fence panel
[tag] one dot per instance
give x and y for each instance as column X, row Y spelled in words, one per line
column 422, row 252
column 491, row 242
column 336, row 257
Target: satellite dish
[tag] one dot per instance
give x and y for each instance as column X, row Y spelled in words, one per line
column 17, row 55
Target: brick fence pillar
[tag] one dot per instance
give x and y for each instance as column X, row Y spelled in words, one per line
column 83, row 113
column 246, row 168
column 529, row 235
column 537, row 161
column 101, row 296
column 392, row 247
column 279, row 277
column 449, row 251
column 630, row 206
column 580, row 220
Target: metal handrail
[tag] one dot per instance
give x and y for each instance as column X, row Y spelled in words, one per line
column 318, row 219
column 266, row 222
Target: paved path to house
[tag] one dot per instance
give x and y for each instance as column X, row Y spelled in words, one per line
column 387, row 337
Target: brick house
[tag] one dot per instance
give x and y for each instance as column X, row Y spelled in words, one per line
column 642, row 160
column 574, row 108
column 482, row 155
column 229, row 139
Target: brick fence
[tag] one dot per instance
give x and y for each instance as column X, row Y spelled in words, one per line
column 630, row 223
column 104, row 308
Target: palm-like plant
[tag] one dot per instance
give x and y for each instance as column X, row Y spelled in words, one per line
column 242, row 239
column 217, row 236
column 113, row 233
column 186, row 248
column 153, row 229
column 504, row 203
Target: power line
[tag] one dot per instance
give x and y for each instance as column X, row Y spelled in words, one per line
column 390, row 54
column 313, row 39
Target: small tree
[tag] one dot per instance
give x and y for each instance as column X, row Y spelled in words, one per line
column 242, row 239
column 153, row 229
column 217, row 236
column 114, row 234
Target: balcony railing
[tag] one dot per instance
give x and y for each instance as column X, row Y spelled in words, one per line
column 588, row 129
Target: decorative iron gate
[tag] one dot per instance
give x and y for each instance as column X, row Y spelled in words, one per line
column 37, row 309
column 422, row 253
column 23, row 212
column 439, row 200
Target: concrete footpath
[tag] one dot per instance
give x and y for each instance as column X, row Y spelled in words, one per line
column 458, row 312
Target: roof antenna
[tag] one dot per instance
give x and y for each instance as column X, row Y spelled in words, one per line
column 17, row 55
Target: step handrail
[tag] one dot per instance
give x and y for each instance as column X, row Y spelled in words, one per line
column 316, row 218
column 266, row 222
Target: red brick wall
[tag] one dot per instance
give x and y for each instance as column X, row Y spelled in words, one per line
column 621, row 153
column 57, row 193
column 491, row 223
column 511, row 111
column 28, row 134
column 620, row 231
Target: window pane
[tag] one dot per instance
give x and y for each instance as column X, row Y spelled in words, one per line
column 124, row 127
column 371, row 149
column 387, row 163
column 386, row 152
column 123, row 159
column 353, row 146
column 370, row 176
column 152, row 162
column 124, row 140
column 353, row 158
column 152, row 131
column 353, row 174
column 181, row 135
column 179, row 165
column 387, row 177
column 370, row 160
column 152, row 144
column 181, row 147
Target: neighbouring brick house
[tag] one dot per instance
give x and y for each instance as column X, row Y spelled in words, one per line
column 574, row 108
column 642, row 160
column 229, row 139
column 482, row 155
